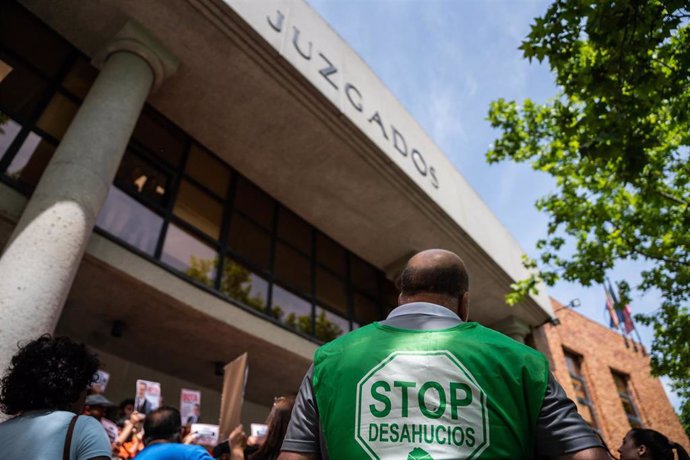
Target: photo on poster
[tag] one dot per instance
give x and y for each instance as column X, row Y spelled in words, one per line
column 100, row 382
column 148, row 396
column 190, row 406
column 207, row 435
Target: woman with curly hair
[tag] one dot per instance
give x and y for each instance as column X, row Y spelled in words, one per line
column 646, row 444
column 43, row 389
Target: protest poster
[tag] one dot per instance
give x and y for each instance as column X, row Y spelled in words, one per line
column 190, row 406
column 101, row 382
column 206, row 434
column 234, row 382
column 259, row 430
column 148, row 396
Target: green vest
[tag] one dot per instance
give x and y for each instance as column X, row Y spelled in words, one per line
column 465, row 392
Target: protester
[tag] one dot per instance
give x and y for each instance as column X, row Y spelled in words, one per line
column 126, row 408
column 437, row 367
column 130, row 440
column 44, row 388
column 269, row 447
column 96, row 405
column 162, row 430
column 646, row 444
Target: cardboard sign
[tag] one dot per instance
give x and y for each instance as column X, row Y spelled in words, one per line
column 234, row 382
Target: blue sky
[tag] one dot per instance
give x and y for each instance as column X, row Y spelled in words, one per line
column 445, row 61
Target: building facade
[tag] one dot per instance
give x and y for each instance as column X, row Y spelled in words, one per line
column 182, row 182
column 608, row 377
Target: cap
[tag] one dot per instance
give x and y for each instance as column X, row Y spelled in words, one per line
column 98, row 400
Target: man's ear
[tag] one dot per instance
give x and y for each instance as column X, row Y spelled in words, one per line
column 464, row 307
column 642, row 449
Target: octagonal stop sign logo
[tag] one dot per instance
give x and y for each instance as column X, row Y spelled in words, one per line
column 421, row 405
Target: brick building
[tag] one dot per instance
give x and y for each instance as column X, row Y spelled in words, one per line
column 608, row 378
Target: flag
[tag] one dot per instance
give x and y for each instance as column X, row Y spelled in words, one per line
column 611, row 308
column 627, row 319
column 623, row 316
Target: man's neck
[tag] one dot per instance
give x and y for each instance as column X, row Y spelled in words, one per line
column 160, row 441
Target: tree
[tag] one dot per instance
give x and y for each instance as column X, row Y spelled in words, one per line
column 616, row 138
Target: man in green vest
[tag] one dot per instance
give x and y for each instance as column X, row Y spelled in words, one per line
column 425, row 384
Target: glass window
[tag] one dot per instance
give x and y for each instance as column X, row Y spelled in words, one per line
column 584, row 404
column 293, row 310
column 621, row 381
column 141, row 178
column 249, row 241
column 366, row 311
column 57, row 116
column 208, row 170
column 159, row 137
column 31, row 160
column 199, row 209
column 329, row 326
column 8, row 131
column 571, row 362
column 364, row 277
column 29, row 38
column 294, row 230
column 240, row 283
column 331, row 254
column 293, row 268
column 21, row 90
column 389, row 294
column 331, row 290
column 80, row 78
column 189, row 255
column 130, row 221
column 253, row 202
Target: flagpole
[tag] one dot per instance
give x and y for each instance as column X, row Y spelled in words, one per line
column 639, row 339
column 621, row 324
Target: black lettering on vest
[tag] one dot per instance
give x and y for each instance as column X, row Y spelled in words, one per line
column 330, row 70
column 295, row 42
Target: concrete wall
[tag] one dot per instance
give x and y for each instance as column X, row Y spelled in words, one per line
column 602, row 351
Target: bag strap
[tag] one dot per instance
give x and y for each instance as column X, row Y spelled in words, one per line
column 68, row 438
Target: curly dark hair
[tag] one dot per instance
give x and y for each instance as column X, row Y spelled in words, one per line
column 47, row 373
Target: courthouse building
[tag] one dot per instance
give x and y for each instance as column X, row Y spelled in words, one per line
column 185, row 181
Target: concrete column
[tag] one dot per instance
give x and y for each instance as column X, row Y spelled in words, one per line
column 43, row 254
column 513, row 328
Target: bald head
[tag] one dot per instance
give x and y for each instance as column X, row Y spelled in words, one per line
column 436, row 276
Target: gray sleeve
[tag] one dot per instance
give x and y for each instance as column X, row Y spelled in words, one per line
column 560, row 429
column 304, row 431
column 89, row 440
